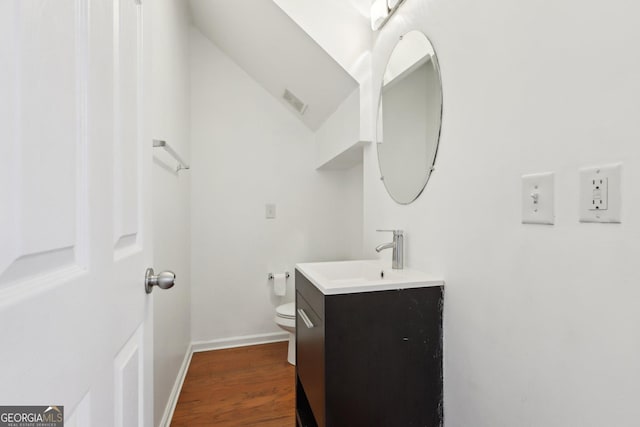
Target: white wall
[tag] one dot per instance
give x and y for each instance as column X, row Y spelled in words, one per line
column 248, row 150
column 340, row 131
column 542, row 323
column 170, row 74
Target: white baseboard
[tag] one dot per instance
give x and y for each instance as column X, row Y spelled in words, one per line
column 241, row 341
column 218, row 344
column 177, row 388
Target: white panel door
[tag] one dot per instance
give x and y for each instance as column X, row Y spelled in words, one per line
column 74, row 219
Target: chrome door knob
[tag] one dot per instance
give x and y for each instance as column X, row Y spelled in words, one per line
column 164, row 280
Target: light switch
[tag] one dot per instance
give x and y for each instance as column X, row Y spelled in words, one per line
column 600, row 194
column 270, row 210
column 538, row 199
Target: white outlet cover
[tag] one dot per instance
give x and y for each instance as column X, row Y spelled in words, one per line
column 538, row 198
column 601, row 187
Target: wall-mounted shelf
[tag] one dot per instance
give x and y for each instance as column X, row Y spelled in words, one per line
column 158, row 143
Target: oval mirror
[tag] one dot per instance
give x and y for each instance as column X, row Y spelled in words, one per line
column 409, row 117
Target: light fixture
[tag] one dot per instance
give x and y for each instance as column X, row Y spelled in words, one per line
column 379, row 14
column 393, row 4
column 381, row 11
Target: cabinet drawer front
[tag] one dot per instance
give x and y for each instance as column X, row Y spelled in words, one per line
column 310, row 293
column 310, row 356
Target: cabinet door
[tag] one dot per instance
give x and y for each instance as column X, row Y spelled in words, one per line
column 383, row 358
column 310, row 356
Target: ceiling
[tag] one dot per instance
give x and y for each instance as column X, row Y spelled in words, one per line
column 336, row 25
column 277, row 53
column 362, row 6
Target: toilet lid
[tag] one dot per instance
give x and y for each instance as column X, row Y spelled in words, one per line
column 287, row 310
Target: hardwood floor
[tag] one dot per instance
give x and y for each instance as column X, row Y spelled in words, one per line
column 246, row 386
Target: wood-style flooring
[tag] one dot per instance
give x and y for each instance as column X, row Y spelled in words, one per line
column 246, row 386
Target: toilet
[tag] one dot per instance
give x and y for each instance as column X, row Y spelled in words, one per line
column 286, row 319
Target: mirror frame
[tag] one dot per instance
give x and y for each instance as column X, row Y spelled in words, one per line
column 431, row 168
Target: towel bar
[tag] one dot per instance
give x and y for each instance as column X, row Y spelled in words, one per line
column 160, row 143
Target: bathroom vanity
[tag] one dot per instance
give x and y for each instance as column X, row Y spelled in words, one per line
column 369, row 346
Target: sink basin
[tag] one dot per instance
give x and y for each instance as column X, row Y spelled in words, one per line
column 343, row 277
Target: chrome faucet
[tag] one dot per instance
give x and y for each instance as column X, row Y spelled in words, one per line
column 397, row 261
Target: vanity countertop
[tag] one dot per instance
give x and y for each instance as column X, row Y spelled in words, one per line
column 347, row 277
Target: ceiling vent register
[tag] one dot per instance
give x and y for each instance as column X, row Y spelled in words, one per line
column 294, row 101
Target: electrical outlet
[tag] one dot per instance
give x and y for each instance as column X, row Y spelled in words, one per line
column 600, row 194
column 538, row 199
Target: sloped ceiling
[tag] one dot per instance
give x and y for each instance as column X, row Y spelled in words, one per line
column 276, row 53
column 337, row 25
column 362, row 6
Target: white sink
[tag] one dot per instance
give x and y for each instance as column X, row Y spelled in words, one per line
column 345, row 277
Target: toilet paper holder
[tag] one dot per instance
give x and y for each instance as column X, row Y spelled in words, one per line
column 286, row 275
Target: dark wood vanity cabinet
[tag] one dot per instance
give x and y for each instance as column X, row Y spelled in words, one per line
column 368, row 359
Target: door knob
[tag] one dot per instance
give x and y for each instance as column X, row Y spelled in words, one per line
column 164, row 280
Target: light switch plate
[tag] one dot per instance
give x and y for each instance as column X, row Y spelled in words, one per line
column 538, row 199
column 270, row 210
column 600, row 194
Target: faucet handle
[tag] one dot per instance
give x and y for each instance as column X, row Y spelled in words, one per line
column 395, row 232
